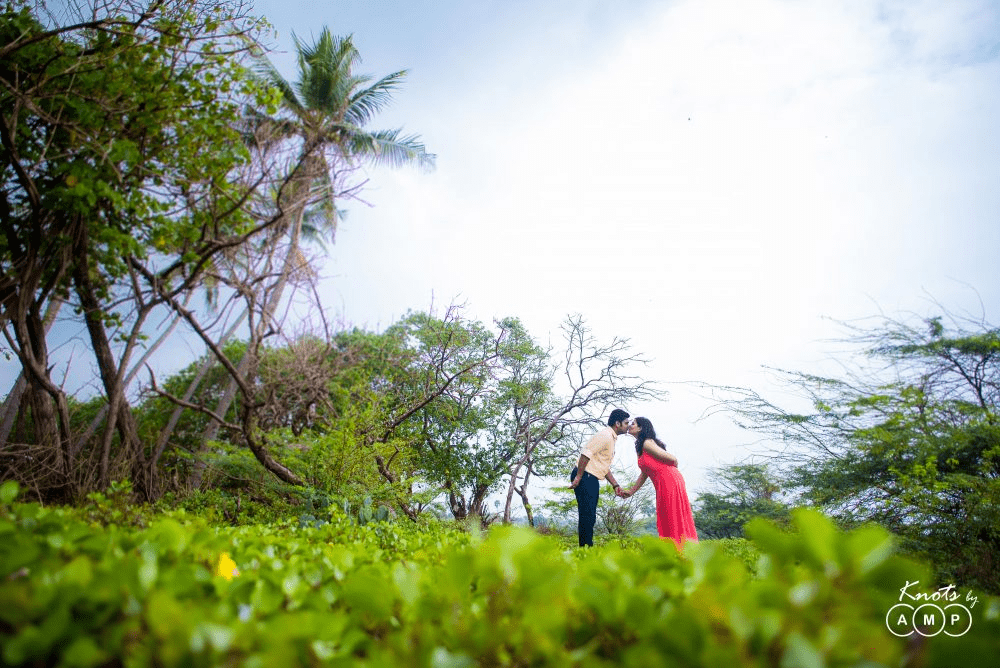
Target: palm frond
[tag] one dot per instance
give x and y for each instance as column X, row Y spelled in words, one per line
column 365, row 103
column 390, row 147
column 325, row 72
column 337, row 96
column 316, row 227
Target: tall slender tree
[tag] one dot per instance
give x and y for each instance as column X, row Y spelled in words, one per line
column 322, row 121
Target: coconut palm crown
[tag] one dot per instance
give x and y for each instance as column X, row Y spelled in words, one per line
column 328, row 109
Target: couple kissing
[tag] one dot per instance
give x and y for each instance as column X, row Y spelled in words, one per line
column 674, row 518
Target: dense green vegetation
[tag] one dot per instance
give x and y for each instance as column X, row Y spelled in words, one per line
column 745, row 491
column 178, row 591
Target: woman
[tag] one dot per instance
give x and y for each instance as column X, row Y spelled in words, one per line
column 673, row 510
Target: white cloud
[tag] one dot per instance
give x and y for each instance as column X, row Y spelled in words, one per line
column 711, row 185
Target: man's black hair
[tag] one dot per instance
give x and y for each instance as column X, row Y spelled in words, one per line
column 617, row 415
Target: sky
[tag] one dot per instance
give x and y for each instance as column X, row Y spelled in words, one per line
column 719, row 181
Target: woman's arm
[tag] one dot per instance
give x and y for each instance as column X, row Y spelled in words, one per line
column 656, row 452
column 635, row 487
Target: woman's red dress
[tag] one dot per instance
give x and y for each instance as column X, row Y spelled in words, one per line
column 673, row 510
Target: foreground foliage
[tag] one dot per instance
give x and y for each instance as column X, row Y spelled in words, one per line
column 180, row 592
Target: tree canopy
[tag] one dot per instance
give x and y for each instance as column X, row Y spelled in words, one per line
column 906, row 437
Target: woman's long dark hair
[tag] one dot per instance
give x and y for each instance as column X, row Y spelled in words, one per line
column 646, row 432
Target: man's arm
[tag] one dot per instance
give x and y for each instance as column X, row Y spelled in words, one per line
column 592, row 445
column 611, row 479
column 580, row 466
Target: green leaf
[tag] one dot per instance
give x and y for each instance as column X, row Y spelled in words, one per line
column 84, row 652
column 148, row 567
column 366, row 590
column 79, row 571
column 442, row 658
column 8, row 492
column 819, row 537
column 800, row 653
column 215, row 636
column 165, row 615
column 266, row 597
column 870, row 547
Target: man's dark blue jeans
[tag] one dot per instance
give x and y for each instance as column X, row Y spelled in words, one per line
column 587, row 493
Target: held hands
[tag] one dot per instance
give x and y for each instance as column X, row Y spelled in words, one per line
column 619, row 492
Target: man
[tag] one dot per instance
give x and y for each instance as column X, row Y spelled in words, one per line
column 595, row 465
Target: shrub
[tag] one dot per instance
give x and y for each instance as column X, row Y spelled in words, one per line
column 181, row 592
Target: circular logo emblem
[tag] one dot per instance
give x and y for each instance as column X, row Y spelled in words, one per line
column 899, row 620
column 928, row 620
column 957, row 620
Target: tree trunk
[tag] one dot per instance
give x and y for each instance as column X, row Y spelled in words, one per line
column 120, row 415
column 515, row 470
column 12, row 403
column 45, row 421
column 103, row 413
column 510, row 493
column 175, row 416
column 11, row 407
column 523, row 493
column 456, row 502
column 49, row 410
column 225, row 401
column 478, row 500
column 263, row 456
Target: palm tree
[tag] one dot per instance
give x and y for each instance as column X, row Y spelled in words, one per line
column 326, row 111
column 323, row 118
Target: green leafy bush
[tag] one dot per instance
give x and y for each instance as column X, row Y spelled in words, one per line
column 182, row 592
column 741, row 549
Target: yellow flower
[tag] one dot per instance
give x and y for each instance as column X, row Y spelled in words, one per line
column 227, row 567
